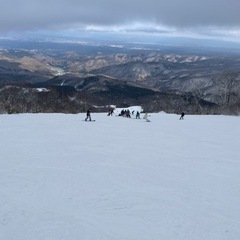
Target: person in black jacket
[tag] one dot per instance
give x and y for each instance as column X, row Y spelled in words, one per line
column 138, row 115
column 88, row 115
column 182, row 116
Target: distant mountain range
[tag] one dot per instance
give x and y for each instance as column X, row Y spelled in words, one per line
column 83, row 75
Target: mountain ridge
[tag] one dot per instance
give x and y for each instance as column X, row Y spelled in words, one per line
column 98, row 71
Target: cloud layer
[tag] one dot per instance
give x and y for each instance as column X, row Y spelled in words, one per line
column 18, row 15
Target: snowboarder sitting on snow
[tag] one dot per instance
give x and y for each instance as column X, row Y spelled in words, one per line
column 182, row 116
column 146, row 117
column 88, row 115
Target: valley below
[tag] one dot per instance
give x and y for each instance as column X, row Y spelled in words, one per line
column 78, row 76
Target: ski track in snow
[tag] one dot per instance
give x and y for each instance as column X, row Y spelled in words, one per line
column 119, row 178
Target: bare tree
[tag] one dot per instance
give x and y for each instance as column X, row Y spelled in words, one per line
column 228, row 88
column 198, row 93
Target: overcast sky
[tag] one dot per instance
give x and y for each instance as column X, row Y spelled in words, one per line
column 212, row 18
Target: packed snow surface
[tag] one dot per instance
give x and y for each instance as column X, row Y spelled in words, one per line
column 119, row 179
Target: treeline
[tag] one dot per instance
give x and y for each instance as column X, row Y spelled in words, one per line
column 26, row 98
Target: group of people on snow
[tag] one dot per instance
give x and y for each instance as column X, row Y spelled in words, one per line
column 126, row 113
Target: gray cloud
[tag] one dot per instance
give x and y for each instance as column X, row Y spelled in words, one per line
column 62, row 14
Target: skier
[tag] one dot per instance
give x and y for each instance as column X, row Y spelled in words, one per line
column 182, row 116
column 88, row 115
column 110, row 112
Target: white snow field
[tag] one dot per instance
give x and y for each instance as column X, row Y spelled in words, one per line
column 119, row 179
